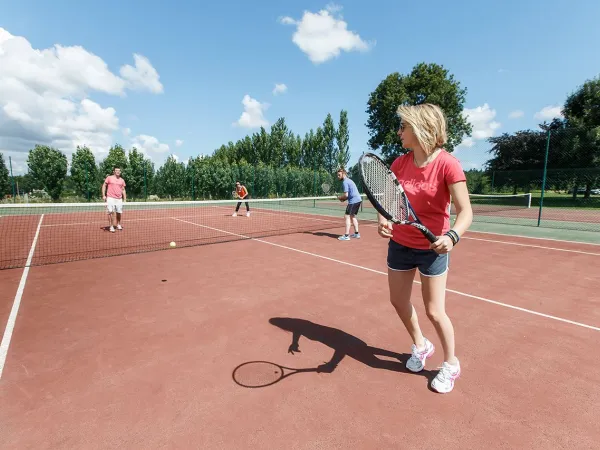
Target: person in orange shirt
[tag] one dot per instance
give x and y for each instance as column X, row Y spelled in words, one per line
column 241, row 193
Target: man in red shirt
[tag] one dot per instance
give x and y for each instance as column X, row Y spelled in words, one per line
column 113, row 193
column 431, row 177
column 242, row 193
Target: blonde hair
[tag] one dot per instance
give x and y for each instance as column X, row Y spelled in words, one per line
column 428, row 123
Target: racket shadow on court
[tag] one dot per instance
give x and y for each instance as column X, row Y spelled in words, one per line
column 262, row 373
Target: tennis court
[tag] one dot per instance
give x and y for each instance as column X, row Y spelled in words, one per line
column 116, row 340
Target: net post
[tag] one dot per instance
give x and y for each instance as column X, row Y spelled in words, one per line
column 544, row 178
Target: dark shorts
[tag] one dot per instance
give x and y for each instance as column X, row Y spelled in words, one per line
column 352, row 209
column 429, row 263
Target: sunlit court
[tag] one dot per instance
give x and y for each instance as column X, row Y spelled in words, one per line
column 120, row 339
column 315, row 226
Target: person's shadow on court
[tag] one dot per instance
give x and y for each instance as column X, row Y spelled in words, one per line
column 343, row 344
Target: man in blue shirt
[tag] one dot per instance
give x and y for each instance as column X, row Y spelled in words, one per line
column 354, row 201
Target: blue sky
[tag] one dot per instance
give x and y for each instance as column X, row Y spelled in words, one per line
column 198, row 61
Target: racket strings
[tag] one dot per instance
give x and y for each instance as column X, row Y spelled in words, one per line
column 381, row 184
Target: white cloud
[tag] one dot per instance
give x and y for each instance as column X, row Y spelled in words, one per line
column 178, row 142
column 482, row 120
column 126, row 131
column 149, row 145
column 253, row 115
column 45, row 96
column 549, row 113
column 516, row 114
column 143, row 76
column 279, row 89
column 324, row 35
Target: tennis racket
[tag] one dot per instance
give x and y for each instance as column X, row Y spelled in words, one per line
column 234, row 194
column 256, row 374
column 386, row 194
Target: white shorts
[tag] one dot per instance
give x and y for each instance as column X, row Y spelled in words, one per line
column 114, row 205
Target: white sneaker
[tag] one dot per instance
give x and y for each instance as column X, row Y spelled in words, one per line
column 248, row 214
column 119, row 227
column 444, row 381
column 416, row 362
column 112, row 229
column 234, row 214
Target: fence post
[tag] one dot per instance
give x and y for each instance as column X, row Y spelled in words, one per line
column 544, row 179
column 145, row 184
column 87, row 185
column 12, row 179
column 193, row 182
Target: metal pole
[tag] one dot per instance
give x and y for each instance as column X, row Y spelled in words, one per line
column 12, row 179
column 544, row 179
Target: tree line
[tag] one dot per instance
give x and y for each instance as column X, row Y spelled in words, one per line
column 271, row 163
column 280, row 162
column 567, row 147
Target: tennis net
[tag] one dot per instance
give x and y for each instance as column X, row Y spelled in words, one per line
column 38, row 234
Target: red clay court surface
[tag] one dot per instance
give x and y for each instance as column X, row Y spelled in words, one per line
column 138, row 351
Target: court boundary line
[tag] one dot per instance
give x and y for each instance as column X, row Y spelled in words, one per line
column 534, row 237
column 12, row 318
column 532, row 246
column 523, row 244
column 464, row 294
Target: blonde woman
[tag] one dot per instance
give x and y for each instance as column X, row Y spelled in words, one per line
column 430, row 176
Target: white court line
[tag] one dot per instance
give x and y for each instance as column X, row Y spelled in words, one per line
column 524, row 245
column 483, row 299
column 12, row 318
column 533, row 246
column 533, row 237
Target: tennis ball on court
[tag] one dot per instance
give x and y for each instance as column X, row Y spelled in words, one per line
column 172, row 244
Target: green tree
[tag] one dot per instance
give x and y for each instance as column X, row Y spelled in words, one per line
column 342, row 138
column 330, row 152
column 581, row 107
column 5, row 186
column 117, row 157
column 138, row 174
column 171, row 179
column 84, row 172
column 278, row 143
column 427, row 83
column 48, row 166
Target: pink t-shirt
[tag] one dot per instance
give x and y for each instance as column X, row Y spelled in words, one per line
column 428, row 193
column 115, row 186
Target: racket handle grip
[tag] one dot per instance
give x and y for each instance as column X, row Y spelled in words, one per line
column 429, row 235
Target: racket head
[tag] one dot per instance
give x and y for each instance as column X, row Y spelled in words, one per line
column 386, row 194
column 326, row 188
column 256, row 374
column 383, row 189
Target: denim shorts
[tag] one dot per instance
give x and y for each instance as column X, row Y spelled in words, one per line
column 429, row 263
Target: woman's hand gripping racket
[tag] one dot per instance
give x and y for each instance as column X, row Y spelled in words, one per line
column 386, row 194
